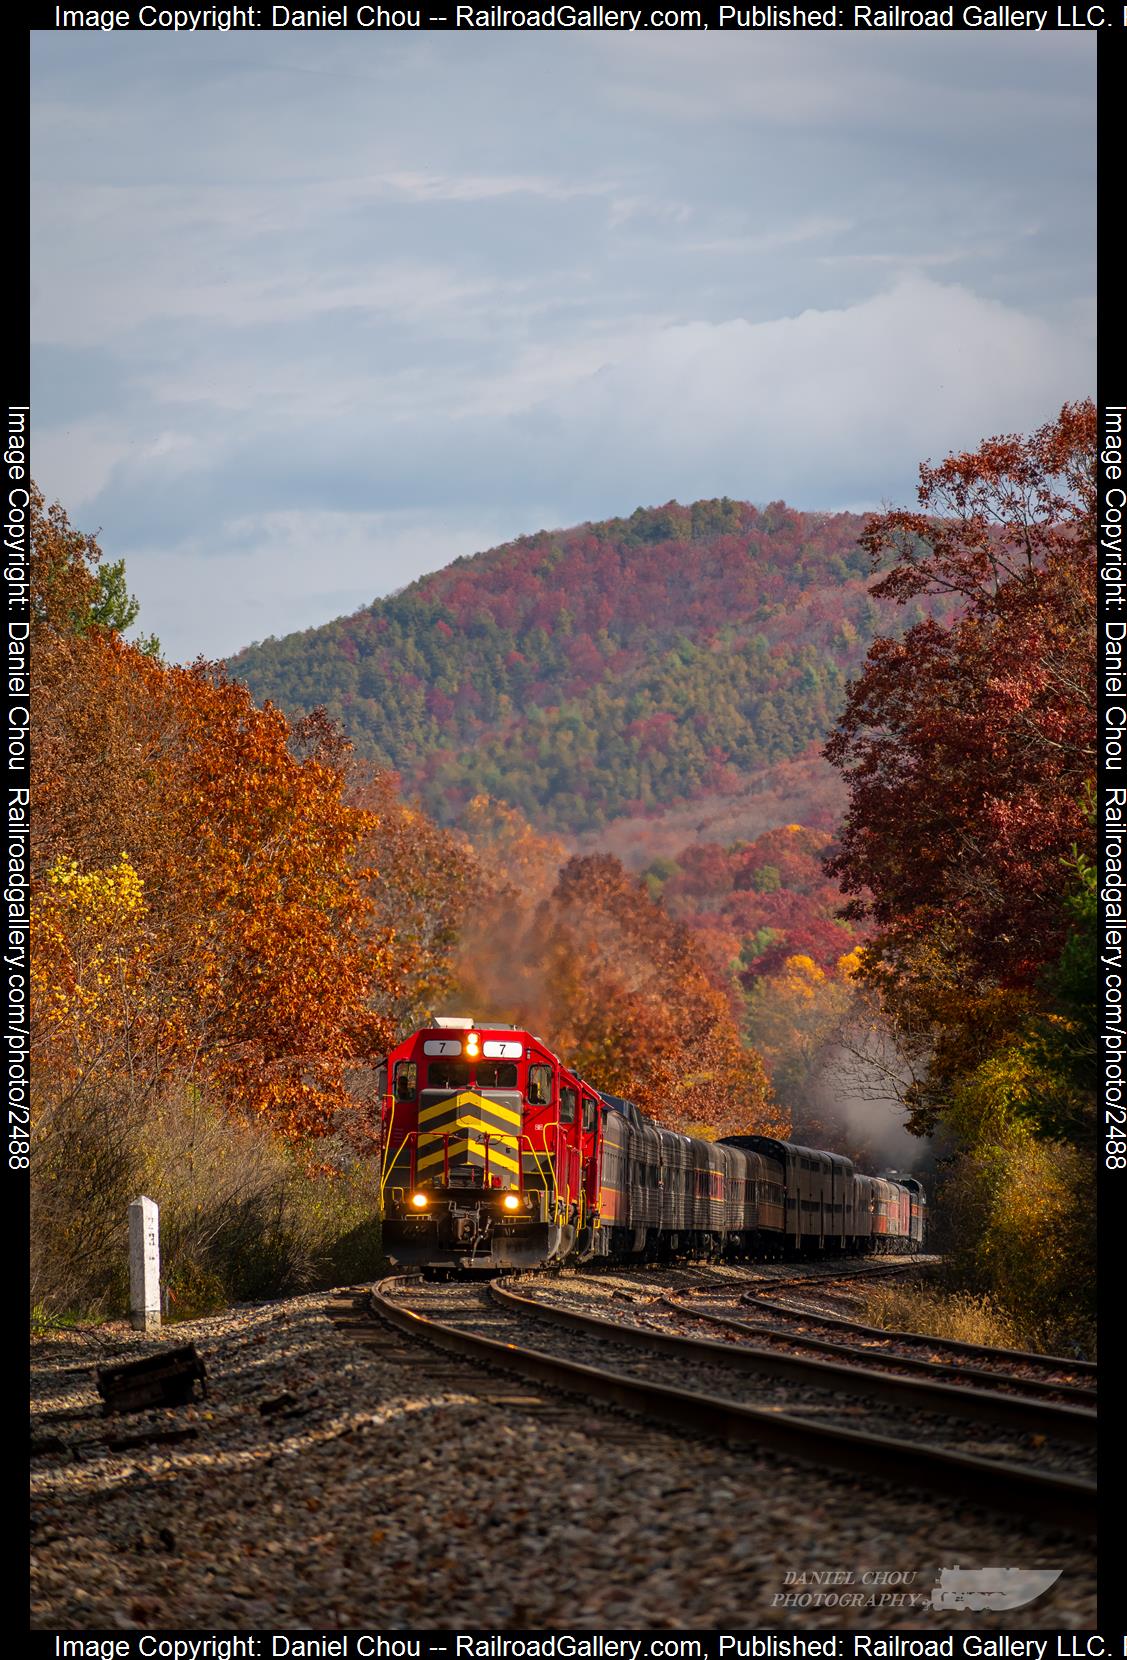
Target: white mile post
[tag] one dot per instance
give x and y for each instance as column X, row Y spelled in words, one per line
column 144, row 1265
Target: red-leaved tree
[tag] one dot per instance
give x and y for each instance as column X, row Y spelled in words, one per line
column 968, row 749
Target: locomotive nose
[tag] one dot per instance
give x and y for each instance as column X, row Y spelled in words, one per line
column 468, row 1132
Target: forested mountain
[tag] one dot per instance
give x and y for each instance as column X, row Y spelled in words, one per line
column 612, row 669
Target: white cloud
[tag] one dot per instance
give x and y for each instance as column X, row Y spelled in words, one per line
column 439, row 187
column 801, row 405
column 829, row 409
column 287, row 571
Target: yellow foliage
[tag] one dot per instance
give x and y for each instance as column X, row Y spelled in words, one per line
column 1007, row 1093
column 1021, row 1220
column 97, row 895
column 91, row 952
column 801, row 974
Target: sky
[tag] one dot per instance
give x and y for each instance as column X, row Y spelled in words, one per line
column 315, row 314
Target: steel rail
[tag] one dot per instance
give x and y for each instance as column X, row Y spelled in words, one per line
column 1066, row 1501
column 952, row 1399
column 826, row 1271
column 1078, row 1394
column 953, row 1345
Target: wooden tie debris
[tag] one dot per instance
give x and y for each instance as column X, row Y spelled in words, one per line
column 164, row 1379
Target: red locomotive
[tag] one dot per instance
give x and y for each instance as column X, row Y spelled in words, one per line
column 495, row 1154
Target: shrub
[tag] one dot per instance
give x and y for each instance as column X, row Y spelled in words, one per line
column 242, row 1216
column 1016, row 1219
column 963, row 1315
column 83, row 1172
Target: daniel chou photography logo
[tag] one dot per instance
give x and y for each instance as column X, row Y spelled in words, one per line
column 956, row 1587
column 991, row 1588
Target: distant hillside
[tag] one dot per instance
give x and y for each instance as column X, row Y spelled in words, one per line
column 609, row 671
column 757, row 903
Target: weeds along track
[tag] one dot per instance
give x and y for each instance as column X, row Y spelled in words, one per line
column 1011, row 1455
column 811, row 1315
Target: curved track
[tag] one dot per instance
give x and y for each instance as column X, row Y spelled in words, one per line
column 876, row 1357
column 801, row 1429
column 1084, row 1372
column 778, row 1327
column 848, row 1372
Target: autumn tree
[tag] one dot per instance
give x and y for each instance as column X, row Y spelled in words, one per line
column 968, row 749
column 73, row 588
column 424, row 888
column 969, row 755
column 244, row 860
column 511, row 853
column 630, row 1004
column 794, row 1018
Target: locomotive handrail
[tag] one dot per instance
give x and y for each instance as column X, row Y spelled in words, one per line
column 389, row 1166
column 536, row 1151
column 553, row 1163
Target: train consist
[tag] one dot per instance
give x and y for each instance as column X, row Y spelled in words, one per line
column 497, row 1155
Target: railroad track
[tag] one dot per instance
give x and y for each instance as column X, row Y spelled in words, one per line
column 1026, row 1406
column 806, row 1408
column 1051, row 1366
column 1015, row 1373
column 367, row 1321
column 1071, row 1377
column 884, row 1353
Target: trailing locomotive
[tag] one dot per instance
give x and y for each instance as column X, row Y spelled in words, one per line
column 497, row 1155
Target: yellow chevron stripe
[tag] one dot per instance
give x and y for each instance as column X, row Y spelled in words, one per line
column 468, row 1121
column 496, row 1110
column 479, row 1124
column 460, row 1149
column 442, row 1109
column 468, row 1099
column 437, row 1157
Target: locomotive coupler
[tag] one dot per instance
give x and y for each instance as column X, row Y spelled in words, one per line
column 471, row 1227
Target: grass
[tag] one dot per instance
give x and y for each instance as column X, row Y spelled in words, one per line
column 937, row 1312
column 243, row 1217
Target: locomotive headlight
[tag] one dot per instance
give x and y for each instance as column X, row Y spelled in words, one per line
column 473, row 1044
column 511, row 1201
column 419, row 1200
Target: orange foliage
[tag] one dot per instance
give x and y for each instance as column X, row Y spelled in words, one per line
column 422, row 884
column 259, row 962
column 620, row 992
column 512, row 854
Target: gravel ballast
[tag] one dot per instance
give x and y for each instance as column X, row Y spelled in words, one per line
column 388, row 1487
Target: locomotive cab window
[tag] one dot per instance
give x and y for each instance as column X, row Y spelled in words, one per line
column 448, row 1074
column 406, row 1080
column 496, row 1075
column 539, row 1086
column 567, row 1103
column 588, row 1114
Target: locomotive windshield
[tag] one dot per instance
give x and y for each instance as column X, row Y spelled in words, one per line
column 496, row 1075
column 449, row 1074
column 460, row 1074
